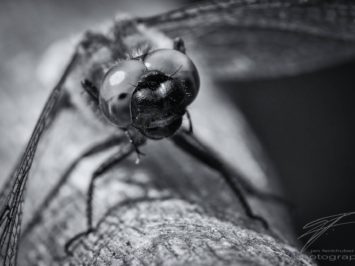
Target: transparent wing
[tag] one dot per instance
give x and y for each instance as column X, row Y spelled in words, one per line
column 12, row 196
column 249, row 39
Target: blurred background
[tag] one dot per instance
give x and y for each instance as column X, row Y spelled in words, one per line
column 305, row 123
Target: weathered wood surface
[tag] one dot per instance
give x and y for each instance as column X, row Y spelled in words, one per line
column 169, row 209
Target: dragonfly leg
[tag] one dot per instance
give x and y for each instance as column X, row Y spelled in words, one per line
column 135, row 145
column 190, row 129
column 94, row 149
column 91, row 89
column 195, row 148
column 249, row 189
column 179, row 45
column 123, row 153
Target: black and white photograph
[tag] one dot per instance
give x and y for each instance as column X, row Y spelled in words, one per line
column 175, row 132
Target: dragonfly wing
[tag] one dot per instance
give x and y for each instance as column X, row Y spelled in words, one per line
column 245, row 39
column 12, row 196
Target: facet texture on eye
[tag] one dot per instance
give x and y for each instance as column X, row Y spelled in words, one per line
column 176, row 65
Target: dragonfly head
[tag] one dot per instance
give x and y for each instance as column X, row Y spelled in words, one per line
column 150, row 93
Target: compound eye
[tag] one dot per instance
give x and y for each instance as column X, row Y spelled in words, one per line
column 116, row 91
column 176, row 65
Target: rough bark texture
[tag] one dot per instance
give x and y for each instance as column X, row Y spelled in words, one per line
column 167, row 210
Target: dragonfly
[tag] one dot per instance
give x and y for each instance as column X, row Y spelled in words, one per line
column 305, row 30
